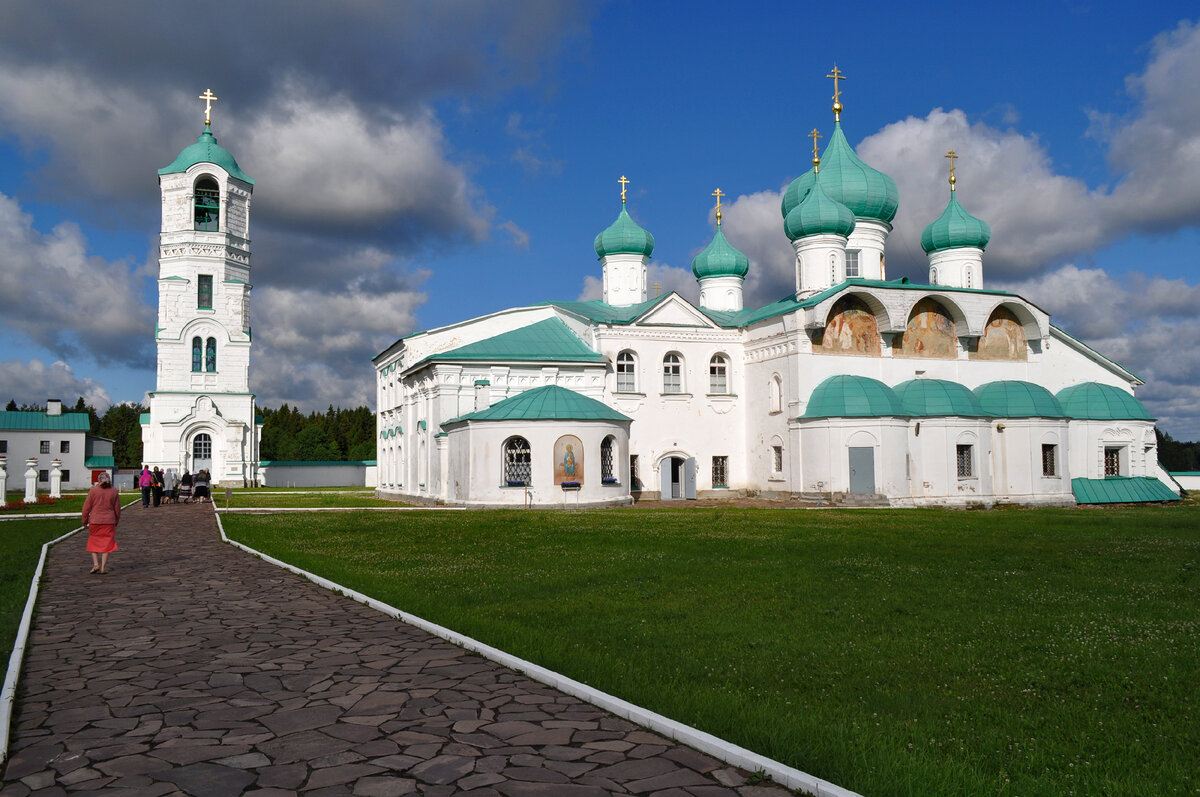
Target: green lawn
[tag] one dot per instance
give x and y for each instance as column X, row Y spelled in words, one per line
column 70, row 502
column 20, row 545
column 296, row 500
column 894, row 652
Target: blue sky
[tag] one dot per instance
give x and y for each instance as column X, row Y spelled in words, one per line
column 420, row 163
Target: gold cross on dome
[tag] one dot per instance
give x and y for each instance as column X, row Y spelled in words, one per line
column 623, row 183
column 837, row 75
column 657, row 288
column 209, row 98
column 814, row 135
column 718, row 194
column 952, row 155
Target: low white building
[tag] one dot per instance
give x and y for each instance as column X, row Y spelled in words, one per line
column 902, row 393
column 53, row 439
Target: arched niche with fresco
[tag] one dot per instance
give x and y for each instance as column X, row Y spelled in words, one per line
column 929, row 333
column 1003, row 338
column 851, row 329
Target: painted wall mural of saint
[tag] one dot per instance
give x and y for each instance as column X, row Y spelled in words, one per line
column 851, row 330
column 929, row 333
column 568, row 460
column 1003, row 338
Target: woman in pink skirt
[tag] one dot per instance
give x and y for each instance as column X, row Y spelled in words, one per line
column 101, row 514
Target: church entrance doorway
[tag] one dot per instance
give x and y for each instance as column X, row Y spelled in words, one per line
column 677, row 477
column 201, row 452
column 862, row 470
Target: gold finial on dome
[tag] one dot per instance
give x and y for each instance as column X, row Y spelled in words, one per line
column 623, row 183
column 814, row 135
column 837, row 75
column 209, row 98
column 718, row 194
column 952, row 155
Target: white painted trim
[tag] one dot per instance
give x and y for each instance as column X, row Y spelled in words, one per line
column 692, row 737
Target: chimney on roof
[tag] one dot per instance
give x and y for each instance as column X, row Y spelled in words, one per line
column 53, row 406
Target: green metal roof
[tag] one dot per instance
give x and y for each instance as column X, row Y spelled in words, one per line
column 596, row 310
column 548, row 340
column 796, row 191
column 818, row 214
column 930, row 397
column 846, row 178
column 846, row 396
column 720, row 259
column 40, row 421
column 100, row 462
column 624, row 236
column 206, row 150
column 1121, row 490
column 955, row 228
column 549, row 402
column 1098, row 402
column 1013, row 398
column 144, row 418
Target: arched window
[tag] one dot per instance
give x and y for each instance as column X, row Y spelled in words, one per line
column 626, row 372
column 197, row 354
column 672, row 373
column 933, row 276
column 775, row 401
column 210, row 355
column 718, row 374
column 607, row 451
column 202, row 447
column 208, row 205
column 518, row 462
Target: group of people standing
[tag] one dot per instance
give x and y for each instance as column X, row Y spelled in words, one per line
column 158, row 485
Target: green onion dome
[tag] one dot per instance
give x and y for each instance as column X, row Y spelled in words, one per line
column 954, row 229
column 1013, row 398
column 846, row 396
column 624, row 236
column 1095, row 401
column 933, row 397
column 720, row 259
column 869, row 194
column 206, row 150
column 818, row 213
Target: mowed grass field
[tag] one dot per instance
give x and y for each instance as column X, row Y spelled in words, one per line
column 21, row 544
column 912, row 652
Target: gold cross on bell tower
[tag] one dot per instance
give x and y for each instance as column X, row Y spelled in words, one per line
column 209, row 98
column 814, row 135
column 718, row 194
column 623, row 183
column 837, row 75
column 952, row 155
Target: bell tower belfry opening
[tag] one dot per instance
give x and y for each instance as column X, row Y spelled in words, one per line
column 202, row 412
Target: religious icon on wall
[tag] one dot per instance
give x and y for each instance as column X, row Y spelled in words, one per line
column 568, row 460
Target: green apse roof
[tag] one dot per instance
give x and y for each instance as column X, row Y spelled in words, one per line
column 1121, row 490
column 549, row 340
column 624, row 236
column 928, row 397
column 40, row 421
column 1094, row 401
column 869, row 194
column 1013, row 398
column 206, row 150
column 720, row 259
column 846, row 396
column 954, row 229
column 550, row 402
column 818, row 214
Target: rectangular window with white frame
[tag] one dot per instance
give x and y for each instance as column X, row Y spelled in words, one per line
column 852, row 260
column 64, row 447
column 44, row 447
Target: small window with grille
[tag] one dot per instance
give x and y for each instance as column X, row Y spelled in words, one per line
column 44, row 447
column 635, row 480
column 1049, row 459
column 608, row 473
column 964, row 455
column 720, row 471
column 777, row 459
column 518, row 462
column 1112, row 462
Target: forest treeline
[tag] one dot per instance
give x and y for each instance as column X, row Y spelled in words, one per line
column 336, row 435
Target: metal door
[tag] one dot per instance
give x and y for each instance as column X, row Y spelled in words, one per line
column 862, row 470
column 689, row 478
column 664, row 479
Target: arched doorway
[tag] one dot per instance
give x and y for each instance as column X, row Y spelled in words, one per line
column 677, row 478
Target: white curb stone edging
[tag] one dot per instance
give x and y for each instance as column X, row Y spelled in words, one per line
column 704, row 742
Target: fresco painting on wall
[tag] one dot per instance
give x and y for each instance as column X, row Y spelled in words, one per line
column 851, row 330
column 568, row 460
column 930, row 333
column 1003, row 338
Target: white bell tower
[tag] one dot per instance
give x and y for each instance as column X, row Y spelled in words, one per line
column 202, row 412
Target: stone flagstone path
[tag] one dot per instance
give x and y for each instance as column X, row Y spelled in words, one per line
column 194, row 668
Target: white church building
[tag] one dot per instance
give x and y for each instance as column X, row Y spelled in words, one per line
column 853, row 387
column 202, row 413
